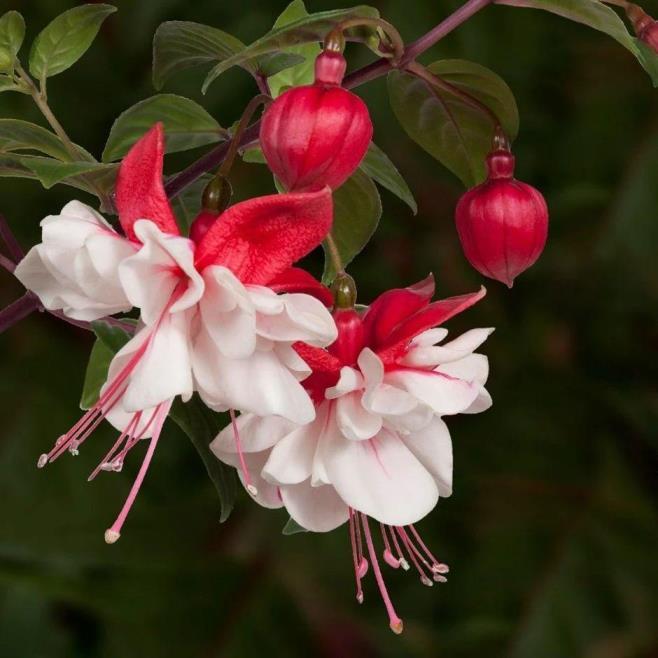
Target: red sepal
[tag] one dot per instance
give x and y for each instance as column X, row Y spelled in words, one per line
column 394, row 306
column 261, row 238
column 433, row 316
column 296, row 279
column 140, row 190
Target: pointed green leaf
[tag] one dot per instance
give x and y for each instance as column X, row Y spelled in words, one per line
column 292, row 528
column 303, row 73
column 441, row 121
column 51, row 172
column 113, row 337
column 7, row 84
column 379, row 167
column 12, row 33
column 357, row 209
column 16, row 135
column 201, row 426
column 269, row 66
column 187, row 125
column 596, row 15
column 309, row 29
column 181, row 45
column 66, row 39
column 96, row 375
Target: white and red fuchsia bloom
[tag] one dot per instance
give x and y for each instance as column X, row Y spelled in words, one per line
column 378, row 447
column 210, row 316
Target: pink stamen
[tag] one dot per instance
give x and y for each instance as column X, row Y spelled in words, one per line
column 389, row 558
column 243, row 464
column 400, row 556
column 394, row 621
column 108, row 457
column 355, row 558
column 114, row 532
column 412, row 552
column 437, row 567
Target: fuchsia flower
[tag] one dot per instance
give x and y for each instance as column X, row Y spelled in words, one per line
column 378, row 446
column 210, row 316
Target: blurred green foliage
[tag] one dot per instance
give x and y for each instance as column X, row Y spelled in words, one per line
column 551, row 534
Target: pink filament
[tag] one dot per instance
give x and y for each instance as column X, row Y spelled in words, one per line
column 394, row 621
column 243, row 464
column 355, row 558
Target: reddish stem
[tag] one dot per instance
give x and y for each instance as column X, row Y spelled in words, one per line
column 18, row 311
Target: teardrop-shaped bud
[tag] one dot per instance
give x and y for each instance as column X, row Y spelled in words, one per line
column 502, row 223
column 644, row 25
column 316, row 135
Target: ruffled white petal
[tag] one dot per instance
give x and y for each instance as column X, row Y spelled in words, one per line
column 354, row 420
column 164, row 264
column 422, row 354
column 75, row 267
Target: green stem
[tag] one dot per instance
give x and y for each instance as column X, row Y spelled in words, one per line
column 334, row 254
column 234, row 146
column 389, row 30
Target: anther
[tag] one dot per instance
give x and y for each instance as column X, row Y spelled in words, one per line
column 111, row 536
column 397, row 626
column 42, row 461
column 252, row 490
column 363, row 568
column 438, row 578
column 426, row 581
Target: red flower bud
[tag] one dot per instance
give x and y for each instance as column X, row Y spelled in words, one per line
column 316, row 135
column 503, row 223
column 645, row 27
column 650, row 35
column 351, row 336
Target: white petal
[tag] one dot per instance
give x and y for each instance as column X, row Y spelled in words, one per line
column 472, row 368
column 256, row 434
column 289, row 357
column 265, row 300
column 318, row 509
column 381, row 478
column 150, row 277
column 433, row 448
column 227, row 313
column 372, row 367
column 304, row 318
column 430, row 337
column 388, row 400
column 354, row 421
column 349, row 380
column 452, row 351
column 164, row 371
column 443, row 394
column 481, row 403
column 291, row 459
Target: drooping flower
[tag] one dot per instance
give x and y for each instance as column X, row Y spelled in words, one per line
column 378, row 448
column 211, row 316
column 502, row 223
column 316, row 135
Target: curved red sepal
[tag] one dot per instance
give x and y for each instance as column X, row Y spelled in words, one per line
column 140, row 190
column 326, row 370
column 432, row 316
column 261, row 238
column 295, row 279
column 394, row 306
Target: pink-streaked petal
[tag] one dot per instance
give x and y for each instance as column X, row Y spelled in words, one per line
column 260, row 239
column 433, row 355
column 394, row 306
column 318, row 509
column 140, row 190
column 291, row 459
column 471, row 368
column 257, row 434
column 432, row 446
column 445, row 395
column 381, row 478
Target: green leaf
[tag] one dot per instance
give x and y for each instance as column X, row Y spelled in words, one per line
column 357, row 209
column 648, row 59
column 7, row 84
column 96, row 375
column 596, row 15
column 16, row 135
column 303, row 73
column 187, row 125
column 292, row 528
column 113, row 337
column 378, row 166
column 308, row 29
column 181, row 45
column 50, row 171
column 201, row 426
column 447, row 126
column 273, row 64
column 12, row 33
column 66, row 39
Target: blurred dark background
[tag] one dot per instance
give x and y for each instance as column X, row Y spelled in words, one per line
column 551, row 533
